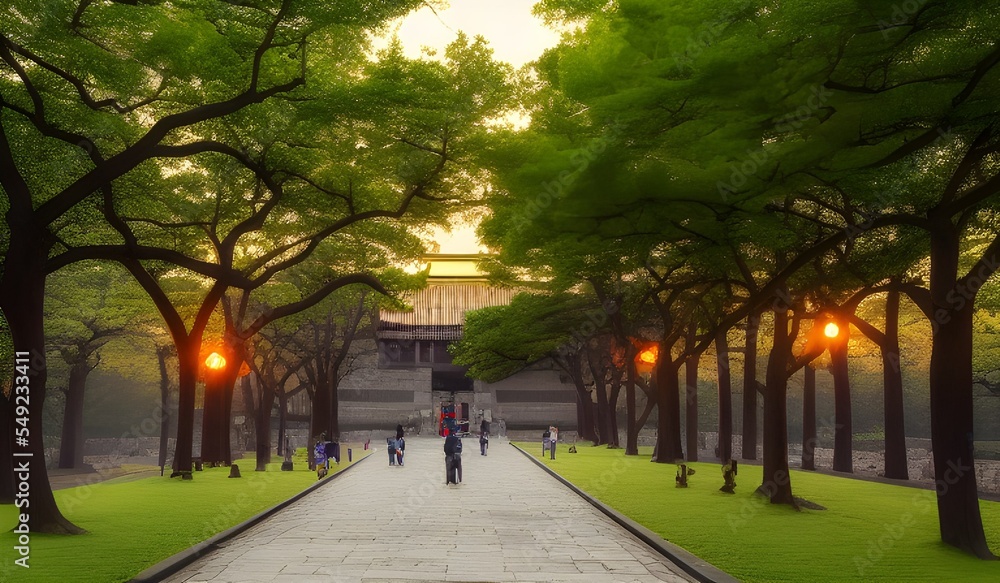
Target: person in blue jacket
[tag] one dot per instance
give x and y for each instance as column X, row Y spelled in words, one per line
column 451, row 443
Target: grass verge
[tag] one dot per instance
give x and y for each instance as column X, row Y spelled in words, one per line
column 869, row 532
column 134, row 524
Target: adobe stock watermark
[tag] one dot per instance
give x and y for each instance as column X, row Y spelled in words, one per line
column 891, row 533
column 743, row 170
column 901, row 14
column 84, row 485
column 596, row 319
column 416, row 497
column 884, row 200
column 703, row 37
column 756, row 502
column 609, row 477
column 239, row 508
column 965, row 292
column 556, row 189
column 826, row 428
column 559, row 531
column 761, row 498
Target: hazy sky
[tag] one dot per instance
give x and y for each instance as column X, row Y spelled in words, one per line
column 515, row 35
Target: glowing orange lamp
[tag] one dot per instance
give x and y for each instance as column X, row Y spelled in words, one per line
column 215, row 361
column 645, row 359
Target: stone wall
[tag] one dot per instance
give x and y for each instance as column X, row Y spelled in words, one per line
column 368, row 400
column 511, row 400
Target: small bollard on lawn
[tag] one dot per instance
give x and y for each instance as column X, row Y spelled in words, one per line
column 729, row 475
column 350, row 455
column 682, row 475
column 286, row 466
column 234, row 471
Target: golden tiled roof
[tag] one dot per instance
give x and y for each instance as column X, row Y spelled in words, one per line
column 446, row 304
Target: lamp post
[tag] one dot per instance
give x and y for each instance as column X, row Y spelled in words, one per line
column 647, row 353
column 213, row 410
column 843, row 433
column 825, row 335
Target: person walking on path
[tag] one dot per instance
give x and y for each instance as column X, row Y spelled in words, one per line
column 484, row 427
column 553, row 439
column 484, row 443
column 391, row 447
column 322, row 461
column 400, row 446
column 458, row 459
column 450, row 443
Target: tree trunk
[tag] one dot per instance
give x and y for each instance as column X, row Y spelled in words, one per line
column 776, row 482
column 725, row 397
column 631, row 426
column 22, row 295
column 217, row 421
column 320, row 421
column 691, row 400
column 843, row 430
column 603, row 413
column 6, row 449
column 187, row 376
column 247, row 384
column 212, row 418
column 668, row 426
column 334, row 423
column 951, row 399
column 647, row 410
column 809, row 419
column 161, row 356
column 585, row 409
column 282, row 421
column 616, row 388
column 895, row 432
column 71, row 443
column 262, row 425
column 226, row 416
column 750, row 389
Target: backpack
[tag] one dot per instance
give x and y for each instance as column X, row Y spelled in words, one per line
column 391, row 443
column 458, row 445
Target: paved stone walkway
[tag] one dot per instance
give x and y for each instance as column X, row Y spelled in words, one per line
column 508, row 521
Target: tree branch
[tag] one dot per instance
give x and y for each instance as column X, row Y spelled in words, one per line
column 313, row 299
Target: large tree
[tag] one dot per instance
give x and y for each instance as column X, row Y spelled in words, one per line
column 534, row 328
column 97, row 96
column 87, row 307
column 896, row 110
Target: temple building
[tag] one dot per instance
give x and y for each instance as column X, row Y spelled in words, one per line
column 410, row 378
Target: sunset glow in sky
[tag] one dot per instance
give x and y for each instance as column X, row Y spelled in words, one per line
column 516, row 37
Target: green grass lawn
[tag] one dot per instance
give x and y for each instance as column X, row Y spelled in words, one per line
column 869, row 532
column 134, row 524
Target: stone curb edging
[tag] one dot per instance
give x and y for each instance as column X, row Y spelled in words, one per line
column 689, row 563
column 175, row 563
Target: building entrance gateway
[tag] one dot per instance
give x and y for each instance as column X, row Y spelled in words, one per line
column 410, row 377
column 452, row 410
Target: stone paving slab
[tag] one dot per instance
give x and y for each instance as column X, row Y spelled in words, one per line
column 507, row 522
